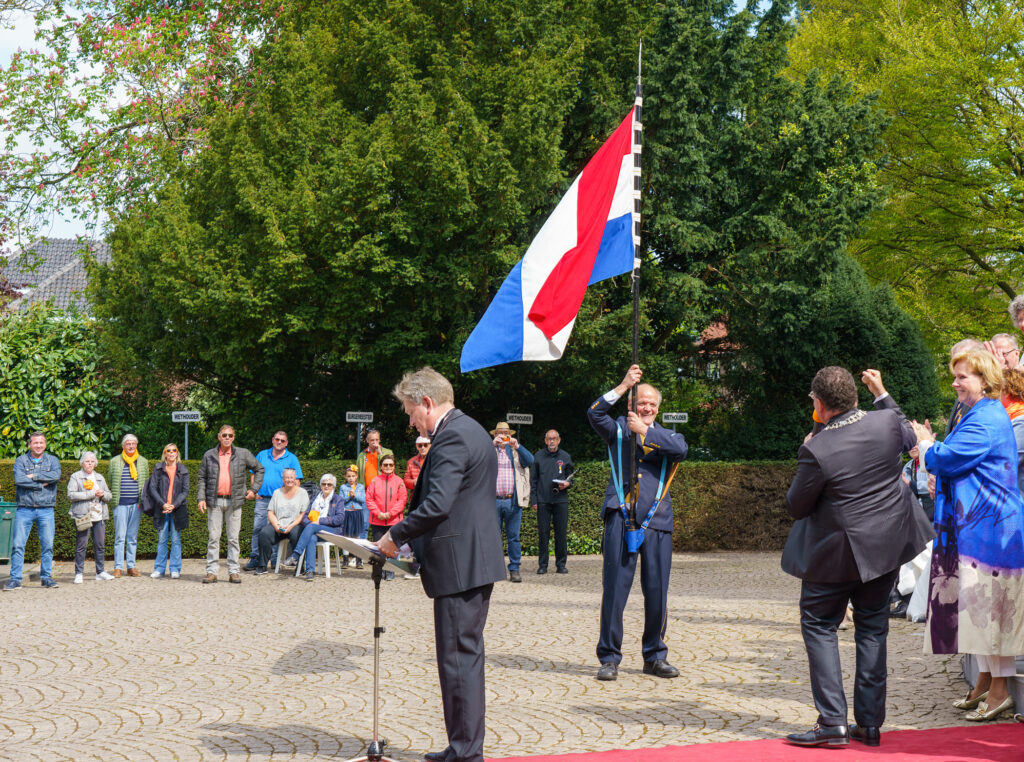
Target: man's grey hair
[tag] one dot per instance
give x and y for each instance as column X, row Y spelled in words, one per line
column 425, row 382
column 87, row 455
column 128, row 437
column 966, row 345
column 1016, row 307
column 1007, row 337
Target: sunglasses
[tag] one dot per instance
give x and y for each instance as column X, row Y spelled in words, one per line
column 388, row 465
column 171, row 449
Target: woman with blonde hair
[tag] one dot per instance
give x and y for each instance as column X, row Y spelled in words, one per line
column 976, row 593
column 166, row 494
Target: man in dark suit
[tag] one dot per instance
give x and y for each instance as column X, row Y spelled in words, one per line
column 657, row 448
column 857, row 522
column 452, row 527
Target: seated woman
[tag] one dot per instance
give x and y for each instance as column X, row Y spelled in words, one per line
column 326, row 514
column 285, row 512
column 89, row 495
column 354, row 495
column 976, row 599
column 385, row 497
column 166, row 493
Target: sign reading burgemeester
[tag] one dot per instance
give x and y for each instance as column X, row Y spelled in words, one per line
column 523, row 419
column 356, row 416
column 186, row 416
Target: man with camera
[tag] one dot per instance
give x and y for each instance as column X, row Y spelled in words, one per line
column 512, row 491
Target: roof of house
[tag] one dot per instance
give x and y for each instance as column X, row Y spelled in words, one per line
column 52, row 270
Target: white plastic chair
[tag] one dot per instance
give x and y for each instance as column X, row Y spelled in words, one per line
column 324, row 562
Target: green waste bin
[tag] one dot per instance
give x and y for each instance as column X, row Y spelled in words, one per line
column 6, row 530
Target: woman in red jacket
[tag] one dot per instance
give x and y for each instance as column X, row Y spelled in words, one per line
column 385, row 499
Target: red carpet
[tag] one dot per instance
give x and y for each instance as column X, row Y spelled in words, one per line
column 1003, row 742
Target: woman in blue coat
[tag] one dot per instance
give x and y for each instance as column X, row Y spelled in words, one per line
column 326, row 513
column 976, row 594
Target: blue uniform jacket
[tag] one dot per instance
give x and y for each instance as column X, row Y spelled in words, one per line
column 659, row 444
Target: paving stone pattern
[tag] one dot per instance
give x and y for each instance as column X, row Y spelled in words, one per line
column 278, row 668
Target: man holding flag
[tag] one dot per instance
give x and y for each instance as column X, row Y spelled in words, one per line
column 636, row 512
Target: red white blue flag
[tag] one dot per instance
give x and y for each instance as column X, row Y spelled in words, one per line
column 588, row 237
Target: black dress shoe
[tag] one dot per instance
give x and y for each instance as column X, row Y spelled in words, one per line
column 435, row 756
column 899, row 611
column 542, row 570
column 660, row 668
column 608, row 671
column 562, row 570
column 868, row 735
column 821, row 735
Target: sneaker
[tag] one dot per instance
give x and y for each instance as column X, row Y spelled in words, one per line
column 157, row 574
column 251, row 566
column 291, row 562
column 309, row 576
column 104, row 576
column 175, row 575
column 78, row 579
column 48, row 582
column 259, row 570
column 413, row 576
column 12, row 584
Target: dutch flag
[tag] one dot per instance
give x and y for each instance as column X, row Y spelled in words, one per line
column 587, row 238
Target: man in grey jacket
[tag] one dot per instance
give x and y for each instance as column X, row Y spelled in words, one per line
column 223, row 473
column 36, row 474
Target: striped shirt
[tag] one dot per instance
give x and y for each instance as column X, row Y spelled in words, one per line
column 129, row 487
column 506, row 477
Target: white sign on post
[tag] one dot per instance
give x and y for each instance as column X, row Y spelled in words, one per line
column 355, row 416
column 186, row 416
column 523, row 419
column 675, row 417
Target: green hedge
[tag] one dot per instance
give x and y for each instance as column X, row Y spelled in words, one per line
column 718, row 506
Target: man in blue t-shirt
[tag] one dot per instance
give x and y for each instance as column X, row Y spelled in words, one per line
column 275, row 459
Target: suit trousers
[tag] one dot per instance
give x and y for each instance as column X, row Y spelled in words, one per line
column 459, row 621
column 558, row 513
column 619, row 568
column 822, row 609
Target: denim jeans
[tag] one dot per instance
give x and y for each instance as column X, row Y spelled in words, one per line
column 307, row 543
column 168, row 529
column 259, row 520
column 126, row 532
column 24, row 518
column 510, row 517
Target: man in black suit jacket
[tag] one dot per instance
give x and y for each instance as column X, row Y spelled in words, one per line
column 857, row 524
column 453, row 530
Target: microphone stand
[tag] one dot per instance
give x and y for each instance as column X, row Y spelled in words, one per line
column 375, row 751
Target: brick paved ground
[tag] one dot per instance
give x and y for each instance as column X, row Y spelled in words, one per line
column 277, row 668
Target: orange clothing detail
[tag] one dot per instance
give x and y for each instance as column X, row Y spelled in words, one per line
column 370, row 470
column 1014, row 407
column 171, row 471
column 224, row 478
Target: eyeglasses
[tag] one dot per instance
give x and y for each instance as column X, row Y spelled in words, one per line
column 388, row 465
column 1010, row 352
column 421, row 446
column 280, row 439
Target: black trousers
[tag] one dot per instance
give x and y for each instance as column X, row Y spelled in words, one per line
column 98, row 531
column 268, row 539
column 617, row 578
column 459, row 645
column 822, row 608
column 559, row 514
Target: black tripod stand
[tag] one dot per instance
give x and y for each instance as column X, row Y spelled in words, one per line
column 375, row 751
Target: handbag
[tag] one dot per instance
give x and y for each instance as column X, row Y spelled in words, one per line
column 83, row 523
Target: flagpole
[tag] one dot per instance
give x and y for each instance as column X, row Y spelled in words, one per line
column 637, row 144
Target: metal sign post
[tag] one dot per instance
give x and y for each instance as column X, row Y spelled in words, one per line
column 360, row 417
column 186, row 417
column 674, row 418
